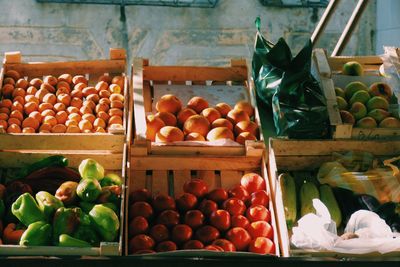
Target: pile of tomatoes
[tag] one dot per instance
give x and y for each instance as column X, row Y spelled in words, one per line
column 219, row 220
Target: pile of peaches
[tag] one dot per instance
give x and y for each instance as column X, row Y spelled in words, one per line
column 64, row 104
column 199, row 122
column 218, row 220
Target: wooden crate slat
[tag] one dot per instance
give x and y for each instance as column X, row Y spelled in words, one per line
column 180, row 177
column 230, row 178
column 137, row 180
column 197, row 150
column 160, row 182
column 138, row 101
column 209, row 178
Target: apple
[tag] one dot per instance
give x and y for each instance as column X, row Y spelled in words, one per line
column 140, row 242
column 262, row 245
column 208, row 207
column 163, row 202
column 139, row 195
column 239, row 192
column 260, row 229
column 159, row 232
column 169, row 218
column 234, row 206
column 140, row 208
column 181, row 233
column 166, row 246
column 239, row 221
column 239, row 237
column 220, row 219
column 225, row 244
column 258, row 213
column 193, row 244
column 207, row 234
column 186, row 202
column 138, row 225
column 196, row 187
column 218, row 195
column 253, row 182
column 194, row 218
column 260, row 197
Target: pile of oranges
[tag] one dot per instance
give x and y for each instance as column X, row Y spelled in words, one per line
column 64, row 104
column 199, row 122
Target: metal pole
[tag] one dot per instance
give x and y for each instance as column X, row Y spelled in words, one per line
column 330, row 9
column 351, row 24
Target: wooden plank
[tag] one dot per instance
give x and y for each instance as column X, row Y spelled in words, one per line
column 137, row 180
column 375, row 134
column 198, row 150
column 342, row 131
column 300, row 163
column 160, row 182
column 333, row 112
column 180, row 177
column 12, row 57
column 117, row 53
column 230, row 178
column 138, row 101
column 209, row 178
column 321, row 61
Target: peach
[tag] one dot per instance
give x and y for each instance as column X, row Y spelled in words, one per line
column 197, row 103
column 12, row 74
column 246, row 126
column 243, row 136
column 79, row 79
column 169, row 103
column 222, row 123
column 184, row 114
column 223, row 109
column 220, row 133
column 36, row 82
column 169, row 134
column 196, row 124
column 211, row 114
column 246, row 106
column 194, row 137
column 235, row 116
column 65, row 78
column 22, row 83
column 50, row 80
column 154, row 124
column 168, row 118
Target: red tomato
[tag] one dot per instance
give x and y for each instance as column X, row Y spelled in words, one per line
column 208, row 207
column 138, row 225
column 194, row 218
column 226, row 245
column 239, row 237
column 258, row 213
column 193, row 244
column 140, row 208
column 186, row 202
column 218, row 195
column 145, row 251
column 259, row 198
column 221, row 220
column 169, row 218
column 140, row 242
column 252, row 182
column 234, row 206
column 196, row 187
column 262, row 245
column 139, row 195
column 239, row 221
column 159, row 232
column 166, row 246
column 163, row 202
column 207, row 234
column 214, row 248
column 239, row 192
column 260, row 229
column 181, row 233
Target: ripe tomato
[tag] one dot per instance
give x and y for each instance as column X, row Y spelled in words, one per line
column 166, row 246
column 193, row 244
column 214, row 248
column 239, row 192
column 218, row 195
column 181, row 233
column 260, row 229
column 186, row 202
column 163, row 202
column 208, row 207
column 196, row 187
column 239, row 237
column 169, row 218
column 262, row 245
column 139, row 195
column 259, row 198
column 159, row 232
column 239, row 221
column 258, row 213
column 226, row 245
column 194, row 218
column 221, row 220
column 207, row 234
column 234, row 206
column 252, row 182
column 140, row 208
column 140, row 242
column 138, row 225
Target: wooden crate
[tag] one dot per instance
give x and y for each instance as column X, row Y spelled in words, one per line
column 115, row 65
column 111, row 161
column 167, row 174
column 294, row 155
column 328, row 72
column 216, row 84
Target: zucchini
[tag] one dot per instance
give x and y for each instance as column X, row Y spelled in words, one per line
column 289, row 198
column 308, row 192
column 328, row 198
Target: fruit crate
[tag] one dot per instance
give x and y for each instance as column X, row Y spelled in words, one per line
column 296, row 155
column 92, row 70
column 215, row 84
column 167, row 175
column 111, row 161
column 328, row 72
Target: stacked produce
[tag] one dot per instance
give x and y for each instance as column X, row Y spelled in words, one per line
column 64, row 104
column 199, row 122
column 81, row 212
column 219, row 220
column 366, row 106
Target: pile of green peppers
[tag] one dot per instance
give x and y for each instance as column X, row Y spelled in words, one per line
column 79, row 214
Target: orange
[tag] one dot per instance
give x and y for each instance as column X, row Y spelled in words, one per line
column 194, row 137
column 30, row 107
column 59, row 107
column 48, row 112
column 103, row 115
column 89, row 117
column 168, row 118
column 72, row 123
column 32, row 98
column 100, row 130
column 59, row 128
column 36, row 115
column 71, row 110
column 101, row 107
column 64, row 98
column 76, row 93
column 22, row 83
column 223, row 109
column 50, row 120
column 14, row 121
column 246, row 106
column 9, row 80
column 102, row 85
column 104, row 94
column 105, row 101
column 5, row 110
column 88, row 91
column 50, row 80
column 222, row 123
column 3, row 124
column 48, row 87
column 79, row 79
column 30, row 122
column 169, row 103
column 76, row 102
column 98, row 122
column 115, row 112
column 197, row 103
column 63, row 90
column 220, row 133
column 64, row 84
column 3, row 116
column 19, row 99
column 114, row 120
column 80, row 86
column 184, row 114
column 17, row 114
column 45, row 106
column 93, row 97
column 65, row 77
column 105, row 78
column 85, row 125
column 18, row 92
column 90, row 104
column 50, row 98
column 118, row 97
column 13, row 128
column 211, row 114
column 85, row 110
column 40, row 94
column 61, row 117
column 246, row 126
column 196, row 124
column 45, row 126
column 235, row 116
column 73, row 129
column 75, row 117
column 28, row 130
column 153, row 124
column 117, row 104
column 7, row 90
column 31, row 90
column 119, row 80
column 169, row 134
column 35, row 82
column 5, row 103
column 13, row 74
column 243, row 136
column 17, row 106
column 114, row 88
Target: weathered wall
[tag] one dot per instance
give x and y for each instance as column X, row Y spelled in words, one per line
column 387, row 24
column 166, row 35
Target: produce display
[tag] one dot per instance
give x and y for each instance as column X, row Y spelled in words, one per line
column 64, row 104
column 237, row 219
column 366, row 105
column 199, row 122
column 47, row 203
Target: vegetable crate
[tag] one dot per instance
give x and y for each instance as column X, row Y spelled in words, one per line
column 295, row 155
column 215, row 84
column 167, row 175
column 328, row 72
column 114, row 139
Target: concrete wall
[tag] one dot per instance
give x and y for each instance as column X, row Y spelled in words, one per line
column 166, row 35
column 387, row 24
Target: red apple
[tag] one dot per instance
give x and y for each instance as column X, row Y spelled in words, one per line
column 214, row 248
column 139, row 195
column 207, row 234
column 239, row 237
column 138, row 225
column 234, row 206
column 159, row 232
column 239, row 221
column 163, row 202
column 140, row 242
column 208, row 207
column 181, row 233
column 140, row 208
column 221, row 220
column 193, row 244
column 239, row 192
column 186, row 202
column 194, row 218
column 259, row 198
column 169, row 218
column 253, row 182
column 260, row 229
column 218, row 195
column 166, row 246
column 262, row 245
column 196, row 187
column 258, row 213
column 226, row 245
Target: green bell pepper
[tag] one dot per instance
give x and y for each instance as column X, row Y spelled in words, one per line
column 88, row 234
column 48, row 203
column 65, row 240
column 88, row 190
column 37, row 234
column 111, row 179
column 65, row 221
column 86, row 206
column 91, row 169
column 27, row 210
column 105, row 221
